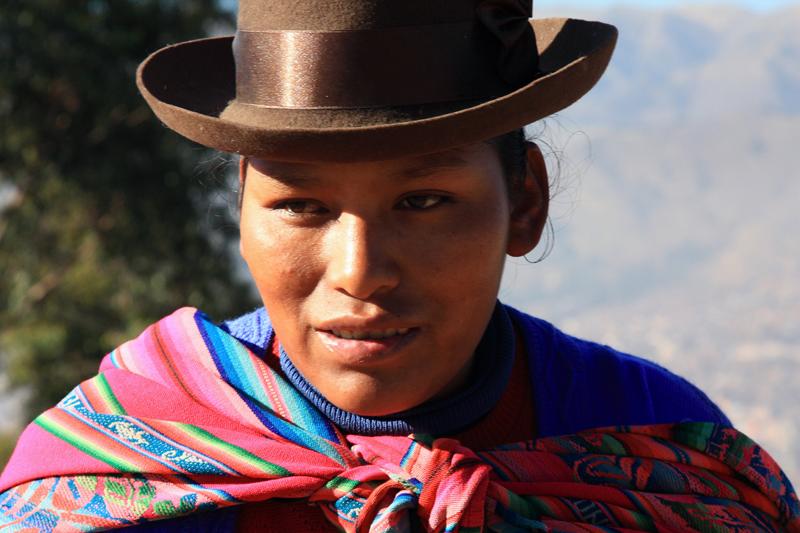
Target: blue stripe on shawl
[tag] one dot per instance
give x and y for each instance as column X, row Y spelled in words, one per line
column 233, row 363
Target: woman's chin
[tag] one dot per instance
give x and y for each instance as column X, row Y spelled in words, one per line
column 371, row 399
column 385, row 392
column 378, row 407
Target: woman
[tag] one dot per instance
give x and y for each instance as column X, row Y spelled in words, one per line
column 382, row 386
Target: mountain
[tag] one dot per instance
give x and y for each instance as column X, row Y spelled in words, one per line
column 697, row 63
column 677, row 228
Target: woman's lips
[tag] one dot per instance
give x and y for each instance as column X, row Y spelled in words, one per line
column 345, row 333
column 365, row 350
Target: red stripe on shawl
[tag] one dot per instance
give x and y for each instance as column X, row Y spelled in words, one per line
column 39, row 454
column 531, row 465
column 571, row 527
column 272, row 360
column 578, row 490
column 144, row 398
column 94, row 395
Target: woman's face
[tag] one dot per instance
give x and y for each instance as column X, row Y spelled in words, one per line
column 380, row 277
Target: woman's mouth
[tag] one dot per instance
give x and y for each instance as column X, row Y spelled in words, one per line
column 371, row 334
column 358, row 347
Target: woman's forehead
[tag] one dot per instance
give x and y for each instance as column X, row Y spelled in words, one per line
column 407, row 167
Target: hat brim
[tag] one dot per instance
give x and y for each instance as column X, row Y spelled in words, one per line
column 191, row 88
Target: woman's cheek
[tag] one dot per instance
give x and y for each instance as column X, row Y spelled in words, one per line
column 474, row 234
column 269, row 249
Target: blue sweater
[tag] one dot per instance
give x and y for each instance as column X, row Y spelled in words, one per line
column 579, row 385
column 576, row 384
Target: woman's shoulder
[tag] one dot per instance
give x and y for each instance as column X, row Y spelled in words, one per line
column 585, row 384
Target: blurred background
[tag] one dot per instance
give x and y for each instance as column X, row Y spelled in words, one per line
column 107, row 219
column 676, row 227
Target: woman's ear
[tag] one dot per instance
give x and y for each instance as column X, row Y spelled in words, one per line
column 529, row 205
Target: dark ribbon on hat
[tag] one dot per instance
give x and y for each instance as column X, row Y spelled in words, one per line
column 518, row 57
column 403, row 66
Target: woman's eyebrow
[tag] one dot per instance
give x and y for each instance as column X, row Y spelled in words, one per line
column 428, row 164
column 287, row 173
column 295, row 175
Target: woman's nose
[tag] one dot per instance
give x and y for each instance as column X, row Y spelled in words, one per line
column 361, row 258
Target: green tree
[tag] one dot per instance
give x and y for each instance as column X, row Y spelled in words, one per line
column 110, row 220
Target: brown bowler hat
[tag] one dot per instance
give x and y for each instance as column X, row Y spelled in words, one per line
column 349, row 80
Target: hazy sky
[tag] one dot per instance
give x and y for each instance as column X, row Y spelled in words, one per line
column 759, row 5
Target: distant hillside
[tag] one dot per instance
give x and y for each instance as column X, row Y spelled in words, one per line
column 678, row 232
column 697, row 63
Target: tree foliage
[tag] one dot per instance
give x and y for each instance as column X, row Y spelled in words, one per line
column 108, row 221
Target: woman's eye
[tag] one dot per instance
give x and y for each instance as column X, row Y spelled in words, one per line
column 301, row 207
column 422, row 201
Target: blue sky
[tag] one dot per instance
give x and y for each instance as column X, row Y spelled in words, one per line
column 758, row 5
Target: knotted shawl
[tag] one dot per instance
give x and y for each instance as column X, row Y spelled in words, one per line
column 185, row 419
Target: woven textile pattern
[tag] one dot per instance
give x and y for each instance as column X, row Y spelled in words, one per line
column 184, row 419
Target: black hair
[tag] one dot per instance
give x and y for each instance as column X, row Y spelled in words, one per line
column 512, row 150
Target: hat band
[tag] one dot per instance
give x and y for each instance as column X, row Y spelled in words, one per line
column 366, row 68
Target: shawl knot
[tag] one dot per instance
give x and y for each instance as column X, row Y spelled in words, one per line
column 445, row 482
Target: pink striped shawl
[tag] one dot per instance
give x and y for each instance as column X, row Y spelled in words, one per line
column 185, row 419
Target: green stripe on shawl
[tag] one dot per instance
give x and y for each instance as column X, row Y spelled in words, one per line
column 612, row 445
column 84, row 445
column 695, row 434
column 108, row 395
column 518, row 504
column 342, row 483
column 215, row 442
